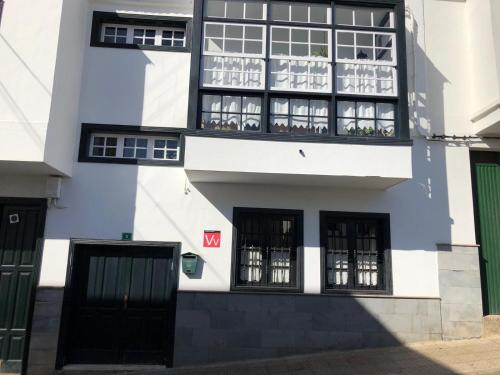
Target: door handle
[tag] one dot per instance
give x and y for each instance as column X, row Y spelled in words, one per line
column 125, row 301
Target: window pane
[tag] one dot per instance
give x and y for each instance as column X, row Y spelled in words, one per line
column 319, row 108
column 159, row 154
column 344, row 16
column 253, row 32
column 111, row 152
column 141, row 153
column 172, row 144
column 299, row 107
column 382, row 17
column 141, row 142
column 233, row 46
column 364, row 53
column 385, row 111
column 345, row 53
column 234, row 9
column 385, row 128
column 172, row 155
column 280, row 34
column 279, row 106
column 364, row 39
column 319, row 37
column 213, row 45
column 214, row 30
column 319, row 13
column 215, row 8
column 98, row 151
column 318, row 50
column 365, row 110
column 345, row 38
column 251, row 105
column 300, row 35
column 363, row 17
column 111, row 141
column 346, row 126
column 159, row 143
column 280, row 49
column 129, row 142
column 346, row 109
column 231, row 104
column 211, row 103
column 300, row 13
column 234, row 31
column 254, row 10
column 280, row 11
column 254, row 48
column 99, row 141
column 300, row 50
column 366, row 127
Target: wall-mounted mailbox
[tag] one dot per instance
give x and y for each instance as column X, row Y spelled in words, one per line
column 189, row 263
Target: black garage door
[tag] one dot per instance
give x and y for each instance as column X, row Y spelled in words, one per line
column 122, row 305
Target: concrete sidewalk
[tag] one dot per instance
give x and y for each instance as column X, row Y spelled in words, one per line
column 479, row 356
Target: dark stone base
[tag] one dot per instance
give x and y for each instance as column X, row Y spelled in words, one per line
column 217, row 327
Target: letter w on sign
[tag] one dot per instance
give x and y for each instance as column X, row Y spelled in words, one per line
column 211, row 239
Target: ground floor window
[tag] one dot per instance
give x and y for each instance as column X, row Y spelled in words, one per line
column 355, row 251
column 268, row 248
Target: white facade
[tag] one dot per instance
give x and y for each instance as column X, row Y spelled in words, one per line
column 52, row 81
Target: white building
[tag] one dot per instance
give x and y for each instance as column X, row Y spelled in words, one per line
column 305, row 152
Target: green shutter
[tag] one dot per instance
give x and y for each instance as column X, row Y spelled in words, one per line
column 488, row 199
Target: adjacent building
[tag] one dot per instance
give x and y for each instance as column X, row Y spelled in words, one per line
column 188, row 182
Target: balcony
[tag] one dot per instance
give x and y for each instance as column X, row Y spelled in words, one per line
column 255, row 161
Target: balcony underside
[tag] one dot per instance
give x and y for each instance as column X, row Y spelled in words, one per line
column 223, row 160
column 487, row 121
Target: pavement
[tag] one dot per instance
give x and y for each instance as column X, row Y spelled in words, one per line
column 476, row 356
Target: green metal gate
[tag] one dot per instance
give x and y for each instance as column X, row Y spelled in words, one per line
column 488, row 209
column 21, row 224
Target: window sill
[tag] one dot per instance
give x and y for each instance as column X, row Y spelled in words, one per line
column 287, row 137
column 104, row 160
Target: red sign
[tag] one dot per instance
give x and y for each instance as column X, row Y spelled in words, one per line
column 211, row 238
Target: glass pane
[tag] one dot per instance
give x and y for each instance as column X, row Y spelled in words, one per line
column 299, row 107
column 319, row 37
column 363, row 17
column 344, row 16
column 300, row 13
column 366, row 127
column 172, row 155
column 234, row 31
column 111, row 141
column 385, row 111
column 251, row 105
column 128, row 152
column 383, row 54
column 280, row 49
column 279, row 106
column 109, row 39
column 214, row 30
column 251, row 123
column 254, row 10
column 231, row 121
column 213, row 45
column 129, row 142
column 253, row 32
column 345, row 38
column 234, row 9
column 150, row 33
column 319, row 13
column 211, row 103
column 346, row 126
column 110, row 152
column 318, row 125
column 172, row 144
column 363, row 53
column 319, row 108
column 300, row 50
column 233, row 46
column 382, row 17
column 98, row 151
column 215, row 8
column 318, row 50
column 99, row 141
column 365, row 110
column 253, row 47
column 280, row 34
column 279, row 124
column 345, row 53
column 211, row 121
column 166, row 42
column 141, row 153
column 231, row 104
column 300, row 36
column 382, row 40
column 385, row 128
column 109, row 31
column 159, row 154
column 179, row 34
column 280, row 11
column 346, row 109
column 299, row 125
column 364, row 39
column 159, row 143
column 142, row 142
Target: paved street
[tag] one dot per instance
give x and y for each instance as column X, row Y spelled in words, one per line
column 481, row 356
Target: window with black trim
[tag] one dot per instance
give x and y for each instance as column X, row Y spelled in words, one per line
column 124, row 145
column 139, row 31
column 356, row 252
column 328, row 52
column 268, row 249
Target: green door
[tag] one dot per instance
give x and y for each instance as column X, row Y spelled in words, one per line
column 20, row 227
column 488, row 207
column 123, row 305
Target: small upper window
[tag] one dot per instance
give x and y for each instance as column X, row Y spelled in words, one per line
column 364, row 17
column 236, row 9
column 134, row 147
column 140, row 31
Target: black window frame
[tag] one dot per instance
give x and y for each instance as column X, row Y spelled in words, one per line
column 299, row 255
column 133, row 131
column 141, row 21
column 402, row 133
column 382, row 220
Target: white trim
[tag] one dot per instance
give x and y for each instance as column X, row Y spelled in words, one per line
column 394, row 61
column 158, row 38
column 308, row 58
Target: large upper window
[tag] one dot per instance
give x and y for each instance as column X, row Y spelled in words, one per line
column 331, row 61
column 268, row 245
